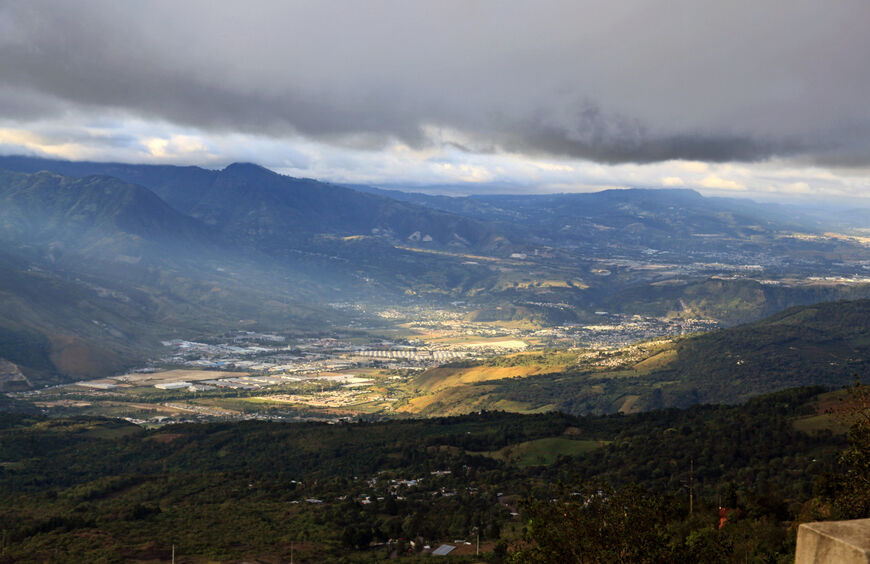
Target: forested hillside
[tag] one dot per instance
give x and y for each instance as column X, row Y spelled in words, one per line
column 104, row 489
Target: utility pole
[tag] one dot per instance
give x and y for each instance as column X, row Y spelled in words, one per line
column 691, row 485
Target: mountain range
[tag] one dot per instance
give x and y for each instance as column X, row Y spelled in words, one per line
column 252, row 204
column 104, row 260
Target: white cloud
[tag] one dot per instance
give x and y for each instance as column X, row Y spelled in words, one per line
column 31, row 142
column 124, row 139
column 718, row 183
column 797, row 188
column 692, row 166
column 178, row 147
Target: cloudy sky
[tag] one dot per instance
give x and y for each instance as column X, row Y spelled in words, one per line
column 763, row 99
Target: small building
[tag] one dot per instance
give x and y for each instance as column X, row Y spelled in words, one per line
column 443, row 550
column 172, row 385
column 98, row 385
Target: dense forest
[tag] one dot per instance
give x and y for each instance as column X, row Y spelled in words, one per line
column 92, row 490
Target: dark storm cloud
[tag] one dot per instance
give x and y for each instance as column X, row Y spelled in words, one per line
column 22, row 105
column 638, row 82
column 613, row 139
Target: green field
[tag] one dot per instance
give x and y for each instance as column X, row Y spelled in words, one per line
column 542, row 452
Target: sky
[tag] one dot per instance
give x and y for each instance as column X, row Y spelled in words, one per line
column 756, row 99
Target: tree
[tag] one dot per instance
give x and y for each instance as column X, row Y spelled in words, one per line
column 594, row 524
column 357, row 536
column 852, row 500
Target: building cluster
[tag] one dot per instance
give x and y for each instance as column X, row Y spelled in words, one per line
column 318, row 355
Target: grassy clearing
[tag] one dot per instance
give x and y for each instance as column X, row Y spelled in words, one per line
column 92, row 429
column 656, row 362
column 546, row 284
column 230, row 404
column 451, row 401
column 628, row 404
column 419, row 403
column 817, row 423
column 541, row 452
column 446, row 377
column 514, row 406
column 449, row 338
column 831, row 414
column 467, row 399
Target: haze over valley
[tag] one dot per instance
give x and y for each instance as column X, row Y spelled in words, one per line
column 328, row 300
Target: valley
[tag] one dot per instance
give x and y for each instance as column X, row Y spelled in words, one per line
column 440, row 366
column 361, row 312
column 331, row 378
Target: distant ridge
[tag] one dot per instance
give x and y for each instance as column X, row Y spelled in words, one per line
column 249, row 202
column 46, row 205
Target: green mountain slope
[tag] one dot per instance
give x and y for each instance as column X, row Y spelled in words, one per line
column 59, row 323
column 250, row 203
column 729, row 301
column 47, row 207
column 94, row 272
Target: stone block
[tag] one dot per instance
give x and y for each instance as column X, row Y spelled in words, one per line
column 834, row 542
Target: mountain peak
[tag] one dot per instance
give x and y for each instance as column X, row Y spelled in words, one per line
column 248, row 168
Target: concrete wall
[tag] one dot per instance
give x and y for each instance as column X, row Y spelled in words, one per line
column 834, row 542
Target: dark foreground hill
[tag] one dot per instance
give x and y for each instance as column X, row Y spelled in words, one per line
column 104, row 490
